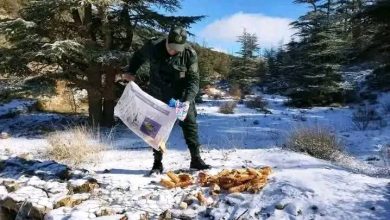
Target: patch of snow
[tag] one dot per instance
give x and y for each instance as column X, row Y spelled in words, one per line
column 15, row 106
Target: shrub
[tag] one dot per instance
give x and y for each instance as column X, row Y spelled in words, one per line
column 227, row 107
column 257, row 103
column 216, row 96
column 363, row 116
column 315, row 141
column 74, row 146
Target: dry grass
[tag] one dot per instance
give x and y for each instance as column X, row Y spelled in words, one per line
column 64, row 101
column 316, row 141
column 214, row 93
column 227, row 107
column 74, row 146
column 235, row 92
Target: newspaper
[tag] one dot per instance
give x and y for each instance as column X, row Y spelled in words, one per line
column 149, row 118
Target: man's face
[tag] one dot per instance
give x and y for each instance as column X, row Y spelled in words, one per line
column 170, row 51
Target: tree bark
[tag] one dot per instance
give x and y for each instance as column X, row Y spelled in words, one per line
column 94, row 95
column 109, row 96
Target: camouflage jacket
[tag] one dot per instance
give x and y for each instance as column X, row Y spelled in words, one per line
column 170, row 76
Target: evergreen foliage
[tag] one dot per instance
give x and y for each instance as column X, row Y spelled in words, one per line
column 331, row 34
column 87, row 40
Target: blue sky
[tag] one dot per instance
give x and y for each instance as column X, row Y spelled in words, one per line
column 226, row 19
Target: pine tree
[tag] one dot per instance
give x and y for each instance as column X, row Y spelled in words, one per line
column 314, row 78
column 249, row 45
column 87, row 40
column 245, row 70
column 377, row 25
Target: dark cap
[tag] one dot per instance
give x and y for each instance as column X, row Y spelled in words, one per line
column 177, row 38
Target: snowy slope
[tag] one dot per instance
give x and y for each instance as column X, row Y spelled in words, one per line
column 301, row 187
column 308, row 188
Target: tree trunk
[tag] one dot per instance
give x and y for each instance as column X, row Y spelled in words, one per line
column 94, row 95
column 109, row 96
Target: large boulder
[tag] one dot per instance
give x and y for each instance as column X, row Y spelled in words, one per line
column 28, row 202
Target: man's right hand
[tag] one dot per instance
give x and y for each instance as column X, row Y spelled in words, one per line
column 125, row 76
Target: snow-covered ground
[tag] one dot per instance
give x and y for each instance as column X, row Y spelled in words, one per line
column 301, row 187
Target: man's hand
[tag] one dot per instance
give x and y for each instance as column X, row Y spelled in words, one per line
column 125, row 76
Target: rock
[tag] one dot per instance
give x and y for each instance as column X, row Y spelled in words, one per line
column 155, row 197
column 26, row 156
column 71, row 201
column 118, row 209
column 166, row 215
column 60, row 213
column 91, row 205
column 11, row 204
column 79, row 173
column 256, row 122
column 279, row 206
column 29, row 202
column 30, row 193
column 78, row 214
column 3, row 192
column 208, row 213
column 4, row 135
column 144, row 216
column 7, row 214
column 83, row 185
column 183, row 205
column 36, row 182
column 119, row 217
column 292, row 209
column 215, row 189
column 11, row 186
column 56, row 188
column 30, row 210
column 190, row 199
column 104, row 211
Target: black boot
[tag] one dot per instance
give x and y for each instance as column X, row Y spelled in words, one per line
column 156, row 169
column 198, row 164
column 157, row 164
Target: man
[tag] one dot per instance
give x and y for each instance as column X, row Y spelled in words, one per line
column 173, row 74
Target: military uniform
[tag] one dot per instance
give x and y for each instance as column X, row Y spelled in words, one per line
column 175, row 77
